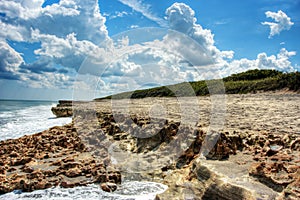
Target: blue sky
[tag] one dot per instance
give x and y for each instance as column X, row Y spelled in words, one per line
column 47, row 47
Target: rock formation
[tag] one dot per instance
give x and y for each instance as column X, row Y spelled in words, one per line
column 50, row 158
column 63, row 109
column 103, row 144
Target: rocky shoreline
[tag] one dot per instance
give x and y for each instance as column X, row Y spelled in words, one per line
column 63, row 109
column 55, row 157
column 101, row 145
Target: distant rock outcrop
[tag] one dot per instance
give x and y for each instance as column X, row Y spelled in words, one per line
column 63, row 109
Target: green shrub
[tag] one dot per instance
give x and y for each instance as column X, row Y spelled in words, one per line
column 250, row 81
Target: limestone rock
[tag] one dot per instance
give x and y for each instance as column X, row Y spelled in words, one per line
column 28, row 163
column 108, row 187
column 79, row 153
column 63, row 109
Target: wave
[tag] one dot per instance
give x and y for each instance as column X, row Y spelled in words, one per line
column 132, row 190
column 15, row 123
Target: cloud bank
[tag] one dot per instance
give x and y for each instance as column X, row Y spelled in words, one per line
column 182, row 18
column 66, row 33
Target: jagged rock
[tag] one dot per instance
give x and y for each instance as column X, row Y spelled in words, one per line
column 200, row 181
column 35, row 166
column 278, row 165
column 108, row 187
column 80, row 154
column 73, row 172
column 63, row 109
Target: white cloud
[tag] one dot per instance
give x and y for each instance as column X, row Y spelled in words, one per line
column 64, row 8
column 145, row 10
column 118, row 14
column 62, row 19
column 282, row 22
column 134, row 26
column 12, row 32
column 54, row 46
column 263, row 61
column 10, row 63
column 10, row 60
column 21, row 9
column 182, row 18
column 69, row 51
column 68, row 31
column 48, row 80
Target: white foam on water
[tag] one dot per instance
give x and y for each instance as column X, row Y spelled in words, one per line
column 132, row 190
column 28, row 121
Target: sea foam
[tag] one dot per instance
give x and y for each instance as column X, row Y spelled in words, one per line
column 132, row 190
column 17, row 122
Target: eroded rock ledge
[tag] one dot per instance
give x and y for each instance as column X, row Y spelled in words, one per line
column 242, row 165
column 231, row 170
column 63, row 109
column 55, row 157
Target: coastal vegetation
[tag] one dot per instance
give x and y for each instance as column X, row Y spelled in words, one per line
column 251, row 81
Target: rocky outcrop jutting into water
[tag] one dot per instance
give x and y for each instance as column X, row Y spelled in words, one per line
column 63, row 109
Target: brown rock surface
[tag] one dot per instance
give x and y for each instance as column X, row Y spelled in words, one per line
column 108, row 187
column 63, row 109
column 250, row 126
column 255, row 154
column 50, row 158
column 278, row 163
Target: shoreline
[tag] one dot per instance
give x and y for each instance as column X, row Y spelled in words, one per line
column 269, row 151
column 20, row 118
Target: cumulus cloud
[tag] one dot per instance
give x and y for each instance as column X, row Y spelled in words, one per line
column 19, row 9
column 44, row 64
column 36, row 75
column 69, row 51
column 182, row 18
column 49, row 80
column 10, row 60
column 56, row 19
column 263, row 61
column 186, row 54
column 67, row 32
column 282, row 22
column 12, row 32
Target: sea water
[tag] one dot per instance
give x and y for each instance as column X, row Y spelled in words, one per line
column 133, row 190
column 19, row 118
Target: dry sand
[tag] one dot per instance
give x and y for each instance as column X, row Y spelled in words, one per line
column 267, row 112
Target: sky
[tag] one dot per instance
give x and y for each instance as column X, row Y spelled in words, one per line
column 83, row 49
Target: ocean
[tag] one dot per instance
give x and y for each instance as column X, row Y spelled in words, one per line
column 19, row 118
